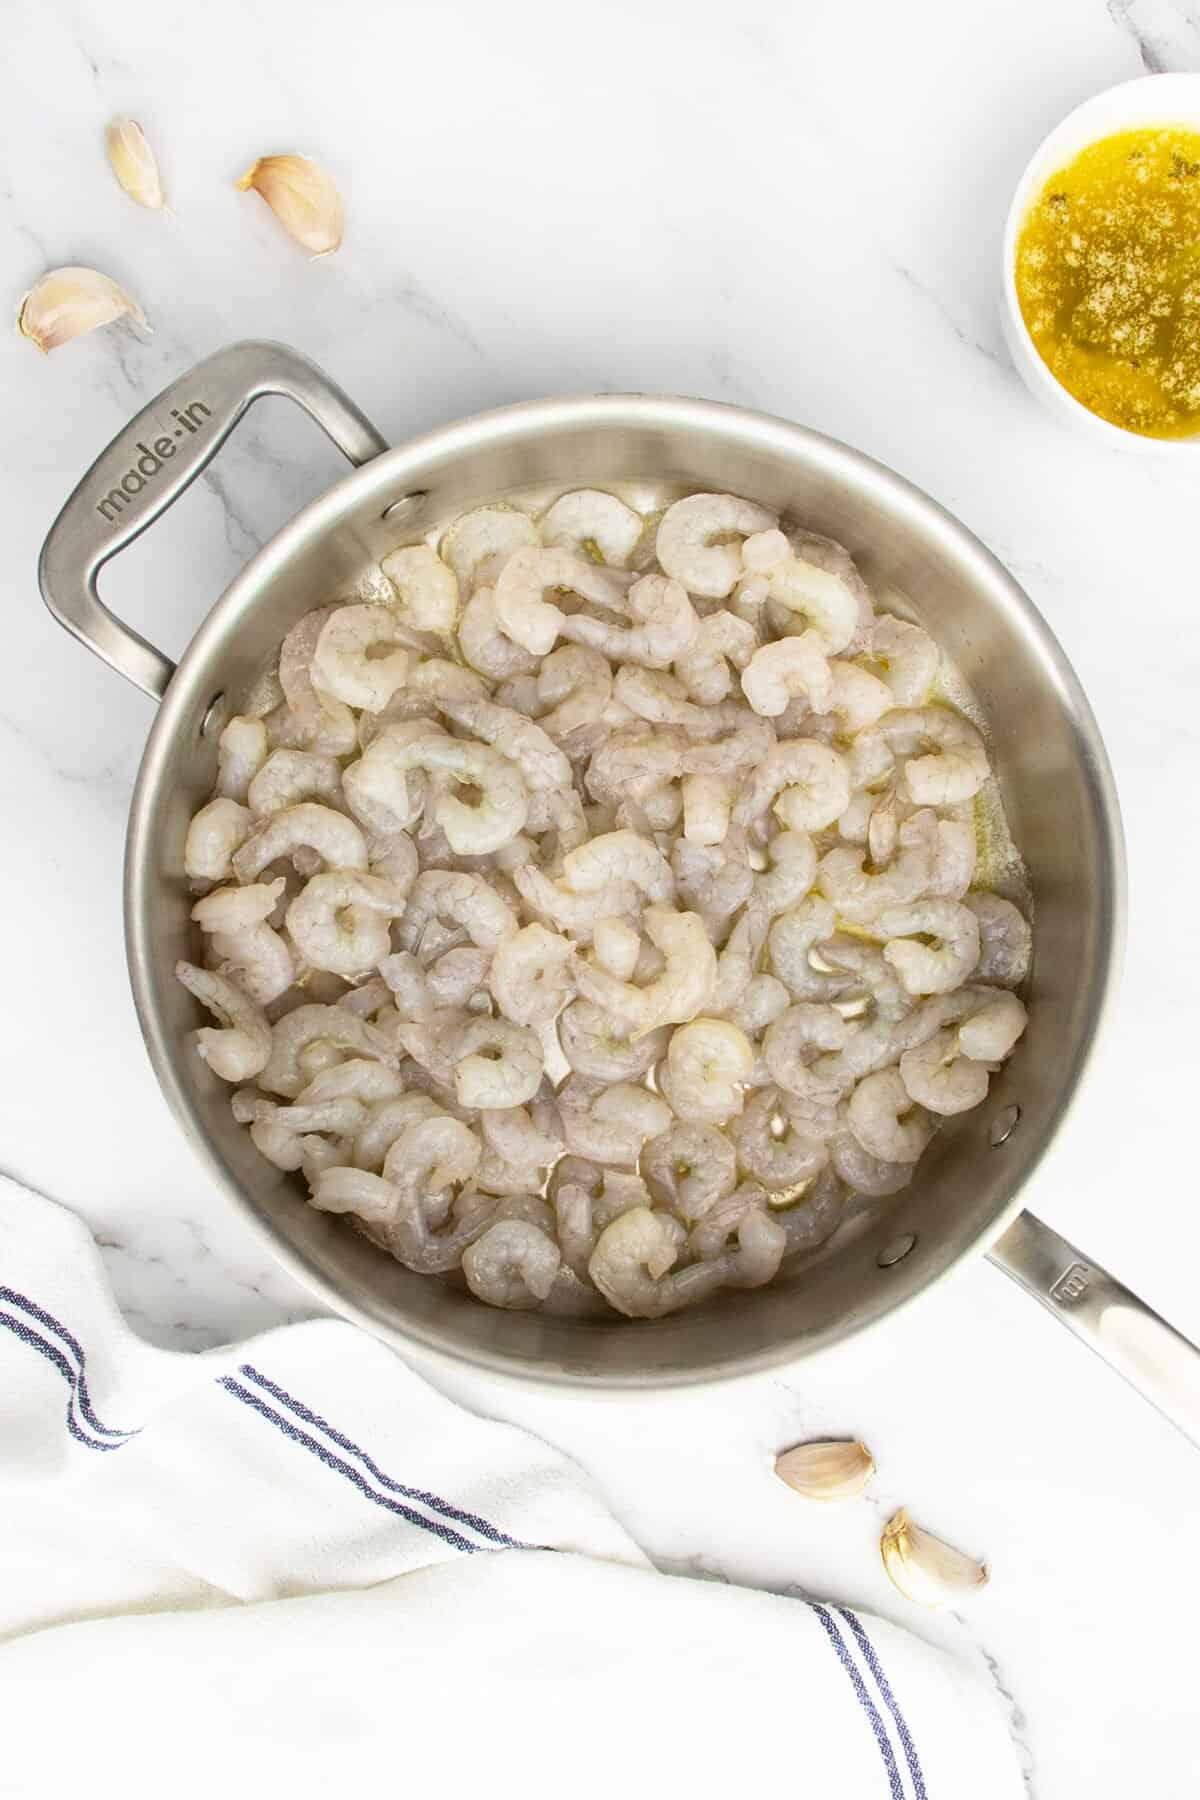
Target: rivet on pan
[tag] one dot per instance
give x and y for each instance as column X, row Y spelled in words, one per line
column 209, row 721
column 897, row 1250
column 1003, row 1126
column 406, row 502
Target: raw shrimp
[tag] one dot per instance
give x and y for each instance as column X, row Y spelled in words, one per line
column 609, row 1124
column 941, row 1078
column 793, row 859
column 457, row 976
column 782, row 1140
column 379, row 788
column 340, row 921
column 990, row 1034
column 598, row 1046
column 666, row 625
column 456, row 899
column 589, row 522
column 872, row 972
column 426, row 590
column 742, row 742
column 575, row 684
column 906, row 658
column 544, row 767
column 859, row 698
column 883, row 1117
column 371, row 997
column 619, row 856
column 358, row 1079
column 790, row 668
column 522, row 611
column 814, row 1218
column 289, row 776
column 241, row 752
column 384, row 1124
column 249, row 952
column 1005, row 940
column 657, row 697
column 500, row 807
column 242, row 1048
column 936, row 968
column 485, row 646
column 234, row 908
column 826, row 601
column 496, row 1064
column 574, row 914
column 216, row 832
column 679, row 993
column 794, row 1040
column 761, row 1001
column 866, row 1174
column 322, row 722
column 313, row 1038
column 707, row 808
column 807, row 783
column 689, row 1167
column 342, row 663
column 633, row 762
column 616, row 946
column 630, row 1262
column 526, row 1138
column 336, row 839
column 685, row 546
column 513, row 1265
column 713, row 880
column 530, row 976
column 790, row 942
column 722, row 641
column 486, row 532
column 943, row 756
column 760, row 1245
column 708, row 1062
column 861, row 897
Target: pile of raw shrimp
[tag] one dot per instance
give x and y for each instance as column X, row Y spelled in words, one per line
column 660, row 802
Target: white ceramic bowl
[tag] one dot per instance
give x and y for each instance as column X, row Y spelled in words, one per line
column 1152, row 100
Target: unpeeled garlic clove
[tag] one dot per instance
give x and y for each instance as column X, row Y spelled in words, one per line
column 924, row 1568
column 133, row 163
column 303, row 198
column 67, row 302
column 827, row 1470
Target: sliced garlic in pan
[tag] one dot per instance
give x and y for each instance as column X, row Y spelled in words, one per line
column 826, row 1471
column 303, row 198
column 924, row 1568
column 67, row 302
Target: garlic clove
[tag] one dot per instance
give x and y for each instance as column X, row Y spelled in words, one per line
column 924, row 1568
column 67, row 302
column 828, row 1470
column 303, row 198
column 133, row 163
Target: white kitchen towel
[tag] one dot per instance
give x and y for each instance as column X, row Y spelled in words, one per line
column 289, row 1565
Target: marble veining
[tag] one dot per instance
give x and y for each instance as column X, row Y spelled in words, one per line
column 791, row 208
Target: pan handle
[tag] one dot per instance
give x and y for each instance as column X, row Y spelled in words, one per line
column 1154, row 1358
column 149, row 464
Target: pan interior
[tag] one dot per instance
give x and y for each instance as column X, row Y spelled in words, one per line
column 1053, row 782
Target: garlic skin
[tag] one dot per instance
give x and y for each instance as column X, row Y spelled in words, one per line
column 303, row 198
column 67, row 302
column 826, row 1471
column 133, row 163
column 925, row 1569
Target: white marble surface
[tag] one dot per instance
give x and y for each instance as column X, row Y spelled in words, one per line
column 797, row 208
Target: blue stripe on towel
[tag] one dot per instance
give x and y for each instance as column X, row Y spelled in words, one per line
column 871, row 1658
column 54, row 1355
column 865, row 1701
column 499, row 1538
column 25, row 1304
column 436, row 1527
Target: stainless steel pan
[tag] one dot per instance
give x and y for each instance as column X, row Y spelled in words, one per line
column 1052, row 768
